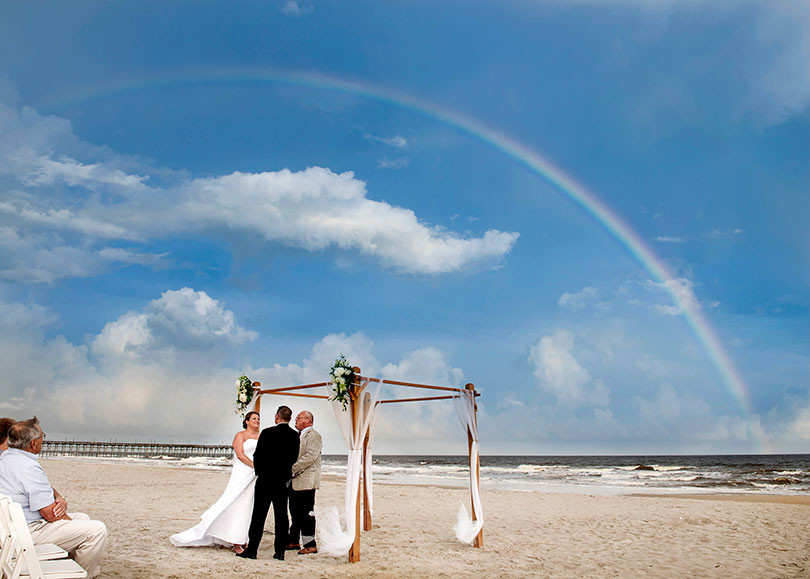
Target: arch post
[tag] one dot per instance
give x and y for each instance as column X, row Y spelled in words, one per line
column 478, row 542
column 258, row 405
column 366, row 467
column 354, row 552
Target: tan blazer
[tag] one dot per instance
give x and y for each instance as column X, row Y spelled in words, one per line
column 307, row 469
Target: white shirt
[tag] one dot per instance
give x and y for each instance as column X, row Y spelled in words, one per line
column 23, row 479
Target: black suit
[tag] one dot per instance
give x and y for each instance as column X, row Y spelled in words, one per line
column 273, row 458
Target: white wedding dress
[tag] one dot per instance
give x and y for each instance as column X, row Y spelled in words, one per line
column 226, row 522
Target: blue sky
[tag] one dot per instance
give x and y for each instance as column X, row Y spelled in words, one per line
column 189, row 191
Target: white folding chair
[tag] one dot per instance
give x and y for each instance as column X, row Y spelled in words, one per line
column 45, row 551
column 23, row 562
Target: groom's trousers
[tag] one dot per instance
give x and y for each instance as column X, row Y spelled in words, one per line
column 267, row 493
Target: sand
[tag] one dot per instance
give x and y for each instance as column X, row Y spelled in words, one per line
column 526, row 534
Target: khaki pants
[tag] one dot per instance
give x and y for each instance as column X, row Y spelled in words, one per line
column 83, row 538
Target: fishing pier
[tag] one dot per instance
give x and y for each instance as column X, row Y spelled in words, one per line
column 133, row 449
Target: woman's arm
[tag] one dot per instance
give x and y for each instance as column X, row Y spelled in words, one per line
column 239, row 448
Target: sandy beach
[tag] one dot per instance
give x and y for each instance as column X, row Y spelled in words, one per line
column 526, row 533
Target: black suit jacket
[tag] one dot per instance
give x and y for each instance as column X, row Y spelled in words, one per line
column 275, row 453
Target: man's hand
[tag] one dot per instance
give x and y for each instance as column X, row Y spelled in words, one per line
column 49, row 513
column 60, row 506
column 57, row 510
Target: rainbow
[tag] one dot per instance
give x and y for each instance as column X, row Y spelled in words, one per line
column 536, row 163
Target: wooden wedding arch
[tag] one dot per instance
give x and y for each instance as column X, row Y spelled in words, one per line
column 356, row 390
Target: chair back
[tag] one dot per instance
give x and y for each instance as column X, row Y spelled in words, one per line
column 5, row 531
column 22, row 556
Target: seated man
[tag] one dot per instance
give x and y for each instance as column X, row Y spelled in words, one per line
column 24, row 480
column 5, row 424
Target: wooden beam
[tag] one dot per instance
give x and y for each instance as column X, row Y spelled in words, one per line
column 412, row 385
column 391, row 401
column 288, row 388
column 321, row 396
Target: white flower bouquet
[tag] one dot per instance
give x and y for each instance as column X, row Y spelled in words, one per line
column 244, row 394
column 343, row 377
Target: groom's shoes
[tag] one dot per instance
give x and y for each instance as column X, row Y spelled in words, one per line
column 279, row 556
column 292, row 547
column 246, row 555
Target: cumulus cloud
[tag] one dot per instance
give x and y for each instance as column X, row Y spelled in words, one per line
column 585, row 297
column 63, row 197
column 182, row 319
column 161, row 372
column 559, row 372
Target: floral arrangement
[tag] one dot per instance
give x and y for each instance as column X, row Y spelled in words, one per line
column 343, row 376
column 244, row 394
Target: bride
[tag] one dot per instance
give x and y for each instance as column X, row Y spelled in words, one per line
column 226, row 522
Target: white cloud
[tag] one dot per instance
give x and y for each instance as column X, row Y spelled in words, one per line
column 426, row 365
column 585, row 297
column 682, row 289
column 58, row 207
column 669, row 407
column 397, row 141
column 800, row 426
column 42, row 258
column 559, row 372
column 292, row 8
column 143, row 376
column 60, row 219
column 723, row 233
column 121, row 255
column 670, row 239
column 182, row 319
column 14, row 316
column 396, row 163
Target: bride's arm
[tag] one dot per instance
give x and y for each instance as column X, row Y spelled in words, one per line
column 238, row 447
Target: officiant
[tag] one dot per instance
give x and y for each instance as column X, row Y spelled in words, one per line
column 306, row 479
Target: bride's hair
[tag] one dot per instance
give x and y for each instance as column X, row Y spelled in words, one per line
column 247, row 417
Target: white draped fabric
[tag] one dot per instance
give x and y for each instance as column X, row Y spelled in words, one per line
column 368, row 458
column 332, row 539
column 467, row 529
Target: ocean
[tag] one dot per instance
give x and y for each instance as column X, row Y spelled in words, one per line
column 605, row 475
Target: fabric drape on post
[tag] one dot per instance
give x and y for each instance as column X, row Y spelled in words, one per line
column 467, row 529
column 367, row 459
column 332, row 539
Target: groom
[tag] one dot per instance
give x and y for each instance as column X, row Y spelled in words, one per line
column 275, row 454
